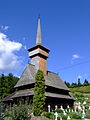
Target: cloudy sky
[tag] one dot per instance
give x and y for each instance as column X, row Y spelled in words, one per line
column 65, row 26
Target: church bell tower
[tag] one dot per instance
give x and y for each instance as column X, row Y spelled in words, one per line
column 39, row 53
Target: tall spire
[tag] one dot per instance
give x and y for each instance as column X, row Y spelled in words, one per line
column 39, row 53
column 38, row 37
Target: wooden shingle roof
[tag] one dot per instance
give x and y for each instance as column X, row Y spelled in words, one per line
column 51, row 79
column 27, row 77
column 30, row 92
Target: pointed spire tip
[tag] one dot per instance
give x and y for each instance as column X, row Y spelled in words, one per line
column 38, row 37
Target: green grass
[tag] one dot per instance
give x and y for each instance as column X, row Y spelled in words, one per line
column 83, row 90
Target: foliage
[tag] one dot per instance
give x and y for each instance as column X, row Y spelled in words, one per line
column 78, row 84
column 79, row 96
column 63, row 116
column 80, row 93
column 7, row 118
column 73, row 85
column 2, row 108
column 88, row 114
column 6, row 84
column 39, row 94
column 49, row 115
column 18, row 112
column 86, row 82
column 15, row 112
column 67, row 84
column 75, row 116
column 58, row 111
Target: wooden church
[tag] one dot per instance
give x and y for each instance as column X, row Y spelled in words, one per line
column 57, row 92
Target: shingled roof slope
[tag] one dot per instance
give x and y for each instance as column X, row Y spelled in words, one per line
column 27, row 77
column 51, row 79
column 30, row 92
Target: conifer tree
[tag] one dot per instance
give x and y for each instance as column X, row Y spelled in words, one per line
column 7, row 84
column 79, row 83
column 39, row 94
column 3, row 86
column 86, row 82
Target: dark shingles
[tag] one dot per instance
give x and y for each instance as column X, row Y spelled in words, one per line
column 27, row 76
column 8, row 98
column 30, row 92
column 21, row 93
column 55, row 95
column 51, row 79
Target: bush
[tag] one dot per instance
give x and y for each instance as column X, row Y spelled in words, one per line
column 58, row 111
column 87, row 116
column 8, row 118
column 64, row 117
column 18, row 113
column 2, row 108
column 75, row 116
column 49, row 115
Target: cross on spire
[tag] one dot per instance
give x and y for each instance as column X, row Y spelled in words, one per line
column 38, row 37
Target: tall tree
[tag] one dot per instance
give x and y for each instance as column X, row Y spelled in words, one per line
column 79, row 83
column 12, row 80
column 67, row 84
column 3, row 86
column 39, row 94
column 73, row 85
column 6, row 84
column 86, row 82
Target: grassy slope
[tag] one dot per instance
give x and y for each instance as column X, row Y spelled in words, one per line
column 85, row 90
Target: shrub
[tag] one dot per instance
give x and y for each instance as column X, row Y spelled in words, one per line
column 87, row 116
column 49, row 115
column 58, row 111
column 2, row 108
column 64, row 117
column 18, row 112
column 75, row 116
column 8, row 118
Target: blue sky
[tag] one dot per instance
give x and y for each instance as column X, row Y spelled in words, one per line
column 65, row 26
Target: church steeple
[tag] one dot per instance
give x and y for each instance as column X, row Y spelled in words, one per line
column 39, row 53
column 39, row 37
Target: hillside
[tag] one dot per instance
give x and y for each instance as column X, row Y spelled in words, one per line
column 80, row 92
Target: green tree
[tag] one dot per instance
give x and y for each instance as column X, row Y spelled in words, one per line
column 86, row 82
column 7, row 84
column 79, row 83
column 12, row 80
column 67, row 84
column 39, row 94
column 3, row 86
column 73, row 85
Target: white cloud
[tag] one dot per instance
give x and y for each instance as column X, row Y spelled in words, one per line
column 75, row 56
column 8, row 59
column 4, row 27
